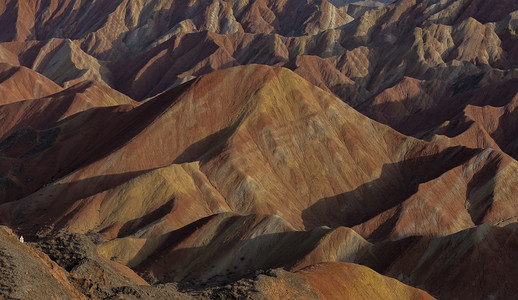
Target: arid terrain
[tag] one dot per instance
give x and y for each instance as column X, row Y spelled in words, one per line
column 259, row 149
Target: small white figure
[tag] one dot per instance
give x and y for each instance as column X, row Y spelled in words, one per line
column 21, row 239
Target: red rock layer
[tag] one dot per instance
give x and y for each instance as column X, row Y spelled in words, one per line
column 226, row 160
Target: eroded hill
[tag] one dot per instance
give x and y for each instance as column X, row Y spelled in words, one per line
column 258, row 149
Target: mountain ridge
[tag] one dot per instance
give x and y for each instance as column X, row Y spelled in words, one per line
column 258, row 149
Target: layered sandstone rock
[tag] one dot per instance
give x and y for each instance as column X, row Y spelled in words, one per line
column 275, row 145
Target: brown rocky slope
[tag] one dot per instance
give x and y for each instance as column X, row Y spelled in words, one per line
column 265, row 142
column 233, row 179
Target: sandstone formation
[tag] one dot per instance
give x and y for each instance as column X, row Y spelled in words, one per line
column 263, row 149
column 20, row 83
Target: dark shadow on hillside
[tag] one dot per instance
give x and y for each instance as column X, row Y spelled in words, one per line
column 207, row 147
column 45, row 207
column 397, row 182
column 132, row 123
column 280, row 250
column 132, row 226
column 8, row 73
column 382, row 255
column 141, row 81
column 481, row 189
column 104, row 131
column 506, row 135
column 49, row 117
column 446, row 108
column 384, row 229
column 204, row 147
column 448, row 266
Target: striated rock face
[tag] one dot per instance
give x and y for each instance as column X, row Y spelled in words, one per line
column 281, row 148
column 341, row 280
column 473, row 263
column 235, row 149
column 20, row 83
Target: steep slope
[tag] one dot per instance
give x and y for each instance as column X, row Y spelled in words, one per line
column 61, row 60
column 191, row 163
column 122, row 28
column 68, row 267
column 20, row 83
column 268, row 145
column 162, row 44
column 348, row 281
column 59, row 42
column 233, row 179
column 228, row 245
column 325, row 281
column 475, row 263
column 480, row 117
column 348, row 60
column 71, row 267
column 280, row 146
column 17, row 260
column 45, row 112
column 423, row 40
